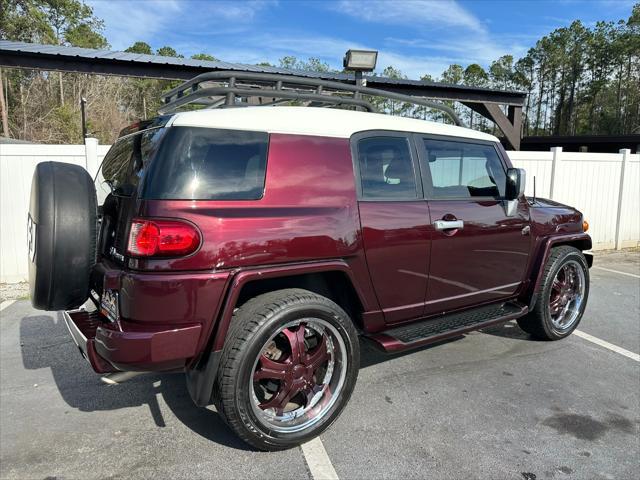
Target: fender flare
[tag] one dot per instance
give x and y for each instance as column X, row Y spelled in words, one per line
column 542, row 254
column 201, row 378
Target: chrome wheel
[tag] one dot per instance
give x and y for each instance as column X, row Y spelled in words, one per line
column 298, row 375
column 567, row 295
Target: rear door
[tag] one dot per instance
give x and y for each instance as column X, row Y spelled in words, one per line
column 395, row 221
column 479, row 252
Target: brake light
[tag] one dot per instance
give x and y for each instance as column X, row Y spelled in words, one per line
column 162, row 238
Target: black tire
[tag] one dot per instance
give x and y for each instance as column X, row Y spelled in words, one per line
column 538, row 322
column 61, row 235
column 253, row 324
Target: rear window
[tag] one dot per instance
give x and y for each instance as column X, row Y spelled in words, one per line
column 197, row 163
column 124, row 163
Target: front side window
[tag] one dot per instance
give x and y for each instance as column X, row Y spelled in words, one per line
column 464, row 170
column 195, row 163
column 386, row 168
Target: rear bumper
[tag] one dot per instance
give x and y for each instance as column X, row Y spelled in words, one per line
column 82, row 327
column 108, row 347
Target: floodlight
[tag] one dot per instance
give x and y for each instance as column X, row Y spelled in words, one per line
column 360, row 60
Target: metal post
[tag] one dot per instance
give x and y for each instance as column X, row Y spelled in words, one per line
column 91, row 155
column 83, row 102
column 231, row 97
column 358, row 95
column 626, row 153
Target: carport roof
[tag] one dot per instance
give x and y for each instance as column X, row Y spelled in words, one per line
column 107, row 62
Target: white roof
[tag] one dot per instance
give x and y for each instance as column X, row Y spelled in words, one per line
column 325, row 122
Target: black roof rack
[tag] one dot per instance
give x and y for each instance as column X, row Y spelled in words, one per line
column 220, row 89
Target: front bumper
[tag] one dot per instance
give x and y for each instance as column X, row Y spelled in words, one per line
column 111, row 347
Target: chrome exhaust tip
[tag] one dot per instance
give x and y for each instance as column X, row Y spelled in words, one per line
column 119, row 377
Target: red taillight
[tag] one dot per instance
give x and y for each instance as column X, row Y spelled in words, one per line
column 162, row 238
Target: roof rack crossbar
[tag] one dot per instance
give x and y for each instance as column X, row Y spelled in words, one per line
column 271, row 85
column 203, row 93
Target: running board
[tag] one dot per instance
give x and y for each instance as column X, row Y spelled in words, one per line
column 436, row 329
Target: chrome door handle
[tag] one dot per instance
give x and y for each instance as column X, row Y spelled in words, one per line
column 448, row 225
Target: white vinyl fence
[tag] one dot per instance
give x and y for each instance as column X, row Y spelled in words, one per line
column 605, row 187
column 17, row 164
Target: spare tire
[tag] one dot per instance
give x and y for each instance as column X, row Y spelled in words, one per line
column 61, row 234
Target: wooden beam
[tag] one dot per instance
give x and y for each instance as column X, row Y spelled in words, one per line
column 515, row 117
column 509, row 125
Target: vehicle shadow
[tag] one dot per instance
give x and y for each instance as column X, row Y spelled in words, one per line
column 371, row 354
column 45, row 343
column 509, row 330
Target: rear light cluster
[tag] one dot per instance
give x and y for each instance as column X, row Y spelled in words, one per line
column 162, row 238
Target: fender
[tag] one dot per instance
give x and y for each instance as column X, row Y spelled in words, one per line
column 243, row 277
column 542, row 254
column 201, row 377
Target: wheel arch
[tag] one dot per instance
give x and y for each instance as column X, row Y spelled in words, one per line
column 581, row 241
column 333, row 279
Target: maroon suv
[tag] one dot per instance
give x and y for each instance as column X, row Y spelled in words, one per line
column 251, row 247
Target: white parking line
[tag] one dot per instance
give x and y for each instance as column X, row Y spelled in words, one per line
column 318, row 461
column 618, row 272
column 605, row 344
column 5, row 304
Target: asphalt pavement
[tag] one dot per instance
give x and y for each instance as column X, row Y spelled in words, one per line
column 491, row 405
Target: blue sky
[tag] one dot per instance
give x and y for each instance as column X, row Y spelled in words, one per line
column 416, row 36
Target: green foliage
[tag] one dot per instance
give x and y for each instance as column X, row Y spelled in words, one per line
column 583, row 80
column 312, row 64
column 66, row 121
column 168, row 52
column 392, row 72
column 204, row 56
column 62, row 22
column 24, row 20
column 453, row 74
column 475, row 76
column 579, row 79
column 140, row 47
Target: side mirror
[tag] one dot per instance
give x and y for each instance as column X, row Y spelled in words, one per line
column 516, row 179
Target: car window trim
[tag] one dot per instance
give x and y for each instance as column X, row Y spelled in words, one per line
column 141, row 180
column 356, row 137
column 142, row 186
column 427, row 181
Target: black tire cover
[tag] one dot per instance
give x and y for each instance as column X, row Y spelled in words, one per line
column 62, row 233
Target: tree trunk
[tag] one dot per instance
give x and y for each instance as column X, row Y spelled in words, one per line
column 539, row 106
column 24, row 113
column 619, row 95
column 3, row 109
column 559, row 111
column 61, row 89
column 629, row 86
column 569, row 117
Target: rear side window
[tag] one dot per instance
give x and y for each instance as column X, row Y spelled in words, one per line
column 386, row 168
column 195, row 163
column 125, row 162
column 464, row 170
